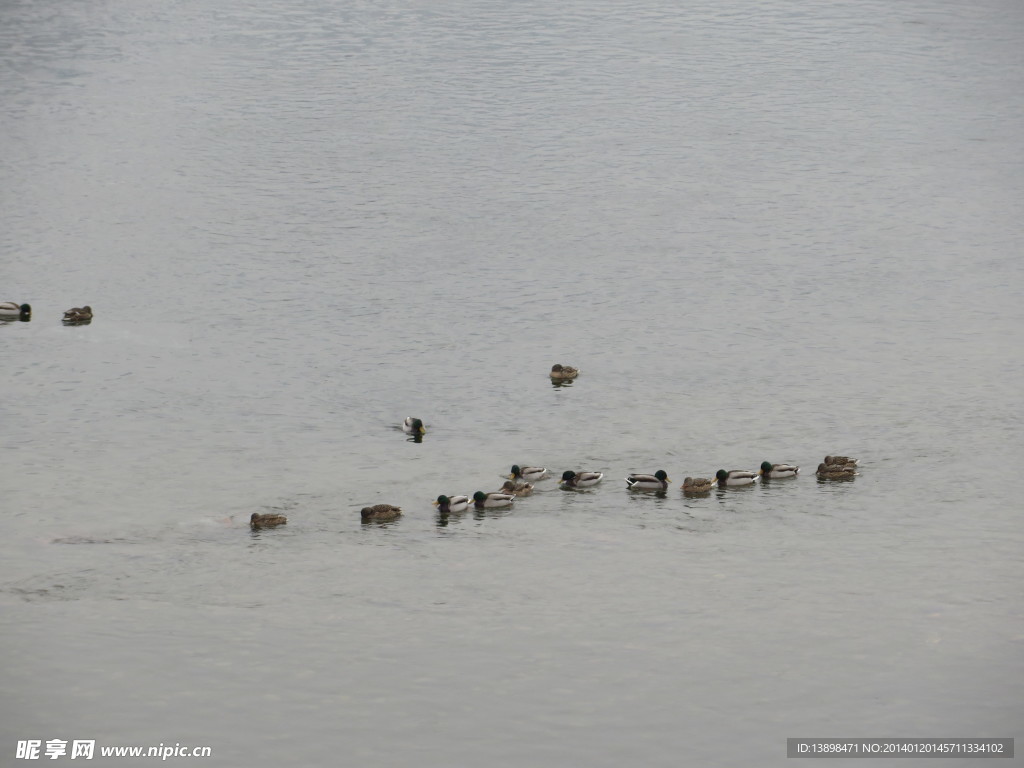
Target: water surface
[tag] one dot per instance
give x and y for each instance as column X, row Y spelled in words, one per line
column 768, row 232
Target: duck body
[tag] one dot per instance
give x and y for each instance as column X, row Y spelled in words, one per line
column 698, row 485
column 77, row 315
column 561, row 372
column 9, row 310
column 774, row 471
column 657, row 482
column 413, row 426
column 516, row 489
column 258, row 521
column 524, row 474
column 483, row 500
column 448, row 504
column 735, row 477
column 839, row 461
column 571, row 479
column 380, row 513
column 836, row 471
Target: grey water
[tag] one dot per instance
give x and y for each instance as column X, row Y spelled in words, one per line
column 765, row 231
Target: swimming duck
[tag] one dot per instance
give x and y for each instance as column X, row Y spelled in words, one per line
column 258, row 521
column 527, row 473
column 840, row 461
column 563, row 372
column 657, row 482
column 735, row 477
column 773, row 471
column 697, row 485
column 481, row 499
column 447, row 504
column 836, row 471
column 380, row 513
column 572, row 479
column 11, row 310
column 78, row 315
column 516, row 489
column 413, row 426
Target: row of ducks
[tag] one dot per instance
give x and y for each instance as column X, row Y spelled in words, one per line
column 521, row 479
column 520, row 482
column 10, row 310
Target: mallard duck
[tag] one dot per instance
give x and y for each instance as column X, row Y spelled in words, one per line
column 563, row 372
column 572, row 479
column 413, row 426
column 490, row 500
column 447, row 504
column 516, row 489
column 380, row 513
column 735, row 477
column 527, row 473
column 773, row 471
column 258, row 521
column 697, row 485
column 9, row 309
column 840, row 461
column 836, row 471
column 78, row 315
column 657, row 482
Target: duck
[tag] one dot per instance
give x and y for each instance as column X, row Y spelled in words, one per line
column 447, row 504
column 735, row 477
column 380, row 513
column 772, row 471
column 840, row 461
column 521, row 489
column 697, row 485
column 836, row 471
column 572, row 479
column 78, row 315
column 527, row 473
column 11, row 310
column 258, row 521
column 563, row 372
column 412, row 426
column 491, row 500
column 657, row 482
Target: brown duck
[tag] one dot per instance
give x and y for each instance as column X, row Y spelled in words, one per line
column 380, row 513
column 561, row 372
column 697, row 485
column 836, row 471
column 258, row 521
